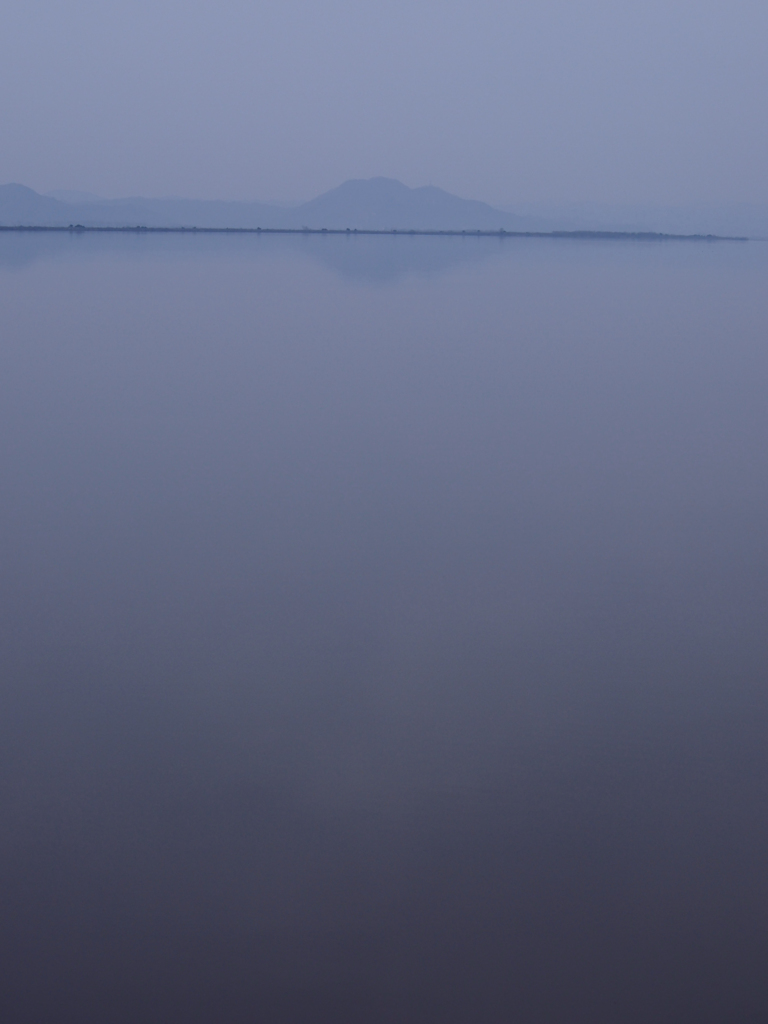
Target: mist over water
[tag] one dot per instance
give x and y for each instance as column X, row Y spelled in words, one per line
column 383, row 630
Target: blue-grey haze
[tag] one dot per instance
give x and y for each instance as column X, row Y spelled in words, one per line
column 383, row 630
column 659, row 103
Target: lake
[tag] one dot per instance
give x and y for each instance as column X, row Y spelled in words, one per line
column 384, row 630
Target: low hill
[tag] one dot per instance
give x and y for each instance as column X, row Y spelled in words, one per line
column 22, row 205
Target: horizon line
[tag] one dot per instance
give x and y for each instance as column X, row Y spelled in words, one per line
column 79, row 229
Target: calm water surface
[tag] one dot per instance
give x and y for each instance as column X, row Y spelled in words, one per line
column 383, row 631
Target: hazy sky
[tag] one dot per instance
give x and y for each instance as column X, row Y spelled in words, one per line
column 659, row 101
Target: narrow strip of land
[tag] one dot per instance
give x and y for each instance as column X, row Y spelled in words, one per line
column 650, row 236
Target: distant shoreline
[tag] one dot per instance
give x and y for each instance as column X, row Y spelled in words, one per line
column 642, row 236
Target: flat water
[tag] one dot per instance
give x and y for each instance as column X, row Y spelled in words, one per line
column 383, row 630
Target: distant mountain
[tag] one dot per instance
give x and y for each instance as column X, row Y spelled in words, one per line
column 377, row 203
column 383, row 204
column 21, row 205
column 373, row 204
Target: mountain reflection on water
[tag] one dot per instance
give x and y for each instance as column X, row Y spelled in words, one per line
column 383, row 630
column 372, row 258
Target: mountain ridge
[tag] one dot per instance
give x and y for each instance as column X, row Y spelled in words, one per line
column 378, row 204
column 373, row 203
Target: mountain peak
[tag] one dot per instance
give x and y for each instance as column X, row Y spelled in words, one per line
column 386, row 203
